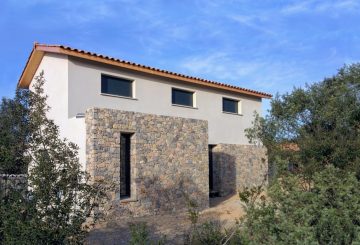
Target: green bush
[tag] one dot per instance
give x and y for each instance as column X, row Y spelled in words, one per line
column 313, row 140
column 59, row 202
column 140, row 235
column 207, row 233
column 326, row 213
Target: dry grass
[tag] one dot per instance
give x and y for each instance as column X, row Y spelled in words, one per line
column 223, row 209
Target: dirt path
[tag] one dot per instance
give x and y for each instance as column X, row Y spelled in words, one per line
column 223, row 209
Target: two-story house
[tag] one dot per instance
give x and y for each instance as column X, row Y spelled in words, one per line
column 156, row 134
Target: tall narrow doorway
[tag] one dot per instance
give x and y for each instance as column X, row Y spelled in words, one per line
column 125, row 169
column 211, row 171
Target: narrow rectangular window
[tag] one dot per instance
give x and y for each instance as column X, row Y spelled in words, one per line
column 213, row 184
column 211, row 168
column 230, row 105
column 182, row 97
column 116, row 86
column 125, row 169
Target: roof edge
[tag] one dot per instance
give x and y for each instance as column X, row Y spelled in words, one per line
column 39, row 50
column 30, row 68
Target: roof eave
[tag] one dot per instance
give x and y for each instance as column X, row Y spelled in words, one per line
column 132, row 67
column 33, row 62
column 39, row 50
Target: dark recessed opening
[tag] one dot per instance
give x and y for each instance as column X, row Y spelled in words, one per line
column 230, row 105
column 116, row 86
column 125, row 168
column 212, row 192
column 182, row 97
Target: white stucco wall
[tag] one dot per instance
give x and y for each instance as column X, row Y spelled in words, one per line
column 153, row 95
column 74, row 85
column 55, row 69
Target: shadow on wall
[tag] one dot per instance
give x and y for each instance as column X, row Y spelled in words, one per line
column 155, row 195
column 161, row 195
column 224, row 167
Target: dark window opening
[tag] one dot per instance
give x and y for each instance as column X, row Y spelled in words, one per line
column 182, row 97
column 212, row 192
column 230, row 105
column 116, row 86
column 125, row 170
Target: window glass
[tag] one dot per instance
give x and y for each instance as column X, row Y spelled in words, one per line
column 230, row 105
column 182, row 97
column 116, row 86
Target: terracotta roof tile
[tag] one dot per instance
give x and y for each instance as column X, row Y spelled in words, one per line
column 105, row 57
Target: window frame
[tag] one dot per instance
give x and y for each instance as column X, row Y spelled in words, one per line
column 238, row 106
column 193, row 93
column 131, row 81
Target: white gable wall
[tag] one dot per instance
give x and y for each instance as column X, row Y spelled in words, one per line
column 74, row 85
column 56, row 74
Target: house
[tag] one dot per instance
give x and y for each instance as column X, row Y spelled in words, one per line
column 158, row 135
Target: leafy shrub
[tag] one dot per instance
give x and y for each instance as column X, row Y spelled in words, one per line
column 207, row 233
column 140, row 235
column 326, row 213
column 60, row 200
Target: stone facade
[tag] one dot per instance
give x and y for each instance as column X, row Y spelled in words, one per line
column 169, row 159
column 238, row 166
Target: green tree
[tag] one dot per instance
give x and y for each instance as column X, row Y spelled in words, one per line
column 313, row 139
column 326, row 213
column 322, row 121
column 60, row 202
column 14, row 133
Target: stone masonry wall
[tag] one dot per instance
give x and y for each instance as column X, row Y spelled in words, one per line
column 238, row 166
column 169, row 158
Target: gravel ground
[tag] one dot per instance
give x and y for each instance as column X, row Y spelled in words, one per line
column 116, row 231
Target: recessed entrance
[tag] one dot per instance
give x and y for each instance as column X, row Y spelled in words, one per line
column 212, row 192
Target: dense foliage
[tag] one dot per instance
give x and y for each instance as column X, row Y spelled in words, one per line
column 140, row 235
column 291, row 213
column 15, row 130
column 314, row 126
column 313, row 141
column 60, row 202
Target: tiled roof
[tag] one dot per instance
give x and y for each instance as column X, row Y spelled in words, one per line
column 135, row 66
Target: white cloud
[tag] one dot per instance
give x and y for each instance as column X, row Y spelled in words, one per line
column 254, row 22
column 260, row 74
column 218, row 65
column 316, row 6
column 73, row 12
column 86, row 11
column 302, row 6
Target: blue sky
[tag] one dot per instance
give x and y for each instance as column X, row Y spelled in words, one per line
column 265, row 45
